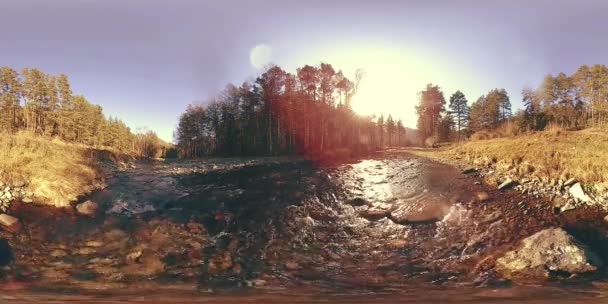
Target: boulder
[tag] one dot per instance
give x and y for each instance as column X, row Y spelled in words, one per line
column 27, row 200
column 577, row 191
column 550, row 253
column 9, row 222
column 87, row 208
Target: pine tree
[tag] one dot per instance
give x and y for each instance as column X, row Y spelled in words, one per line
column 430, row 107
column 381, row 129
column 390, row 128
column 10, row 96
column 459, row 111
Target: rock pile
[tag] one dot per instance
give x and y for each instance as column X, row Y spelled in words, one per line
column 8, row 193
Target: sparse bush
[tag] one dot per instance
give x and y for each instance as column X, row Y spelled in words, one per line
column 554, row 128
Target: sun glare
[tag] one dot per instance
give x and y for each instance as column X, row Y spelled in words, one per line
column 393, row 76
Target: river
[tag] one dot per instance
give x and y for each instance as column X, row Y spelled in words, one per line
column 391, row 228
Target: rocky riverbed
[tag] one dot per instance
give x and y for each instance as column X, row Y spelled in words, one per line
column 379, row 225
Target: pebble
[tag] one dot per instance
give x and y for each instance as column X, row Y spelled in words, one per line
column 57, row 253
column 292, row 265
column 482, row 196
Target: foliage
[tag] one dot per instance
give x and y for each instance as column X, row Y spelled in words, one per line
column 459, row 110
column 44, row 104
column 573, row 102
column 282, row 113
column 430, row 109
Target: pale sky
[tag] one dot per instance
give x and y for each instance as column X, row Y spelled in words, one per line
column 145, row 60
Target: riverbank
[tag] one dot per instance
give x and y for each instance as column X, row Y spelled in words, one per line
column 568, row 167
column 47, row 171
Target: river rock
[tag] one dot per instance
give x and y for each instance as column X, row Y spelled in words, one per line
column 482, row 196
column 577, row 191
column 413, row 214
column 19, row 184
column 291, row 265
column 358, row 201
column 374, row 214
column 87, row 208
column 9, row 222
column 57, row 253
column 546, row 254
column 27, row 200
column 134, row 256
column 506, row 184
column 469, row 170
column 569, row 182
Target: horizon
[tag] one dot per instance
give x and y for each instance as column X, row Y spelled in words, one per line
column 163, row 56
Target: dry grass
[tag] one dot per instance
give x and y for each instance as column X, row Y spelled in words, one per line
column 552, row 154
column 56, row 172
column 506, row 129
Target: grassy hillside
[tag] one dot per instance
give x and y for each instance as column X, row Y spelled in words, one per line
column 54, row 171
column 549, row 155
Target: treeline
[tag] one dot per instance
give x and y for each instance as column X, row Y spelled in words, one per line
column 573, row 102
column 459, row 120
column 44, row 104
column 570, row 102
column 282, row 113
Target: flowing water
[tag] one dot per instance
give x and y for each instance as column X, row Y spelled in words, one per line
column 394, row 228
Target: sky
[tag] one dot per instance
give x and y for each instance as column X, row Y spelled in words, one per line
column 144, row 61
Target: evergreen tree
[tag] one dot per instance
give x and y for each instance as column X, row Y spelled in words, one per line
column 381, row 130
column 459, row 111
column 390, row 128
column 430, row 107
column 10, row 96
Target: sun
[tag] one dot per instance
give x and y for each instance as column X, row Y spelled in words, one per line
column 260, row 55
column 388, row 87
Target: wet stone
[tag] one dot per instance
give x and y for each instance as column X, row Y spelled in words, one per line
column 482, row 196
column 88, row 208
column 57, row 253
column 291, row 265
column 508, row 183
column 374, row 214
column 357, row 201
column 469, row 170
column 10, row 223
